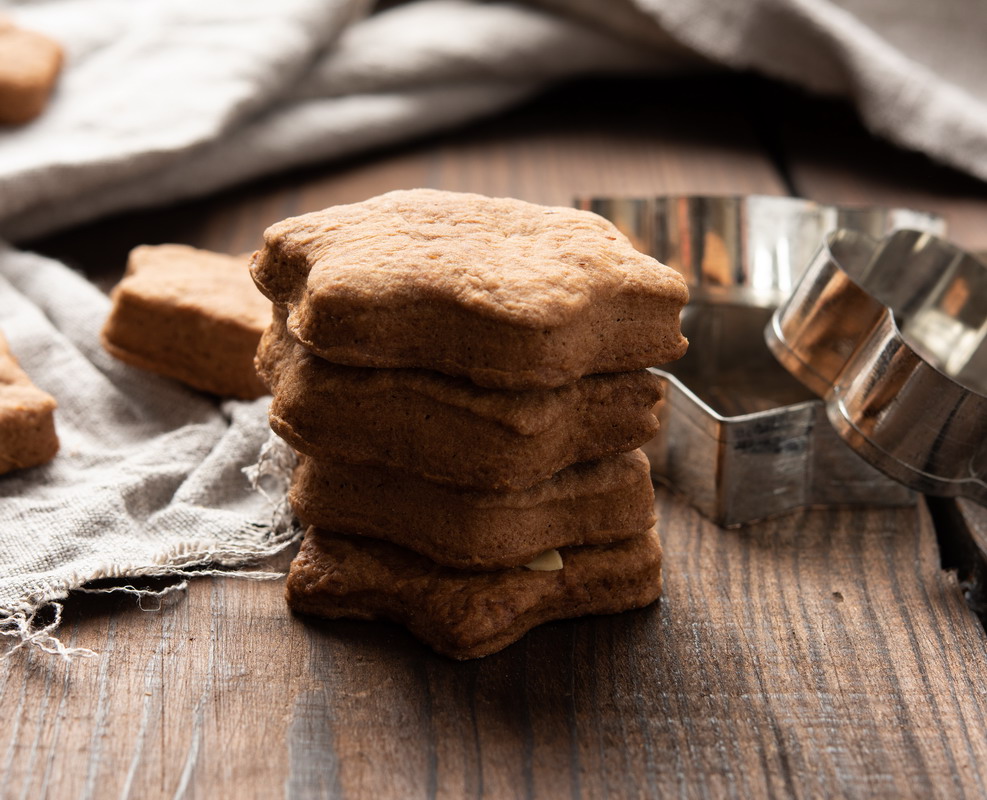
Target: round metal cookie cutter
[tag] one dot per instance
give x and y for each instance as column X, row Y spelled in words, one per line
column 740, row 438
column 893, row 335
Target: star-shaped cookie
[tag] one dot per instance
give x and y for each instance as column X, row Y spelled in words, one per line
column 510, row 294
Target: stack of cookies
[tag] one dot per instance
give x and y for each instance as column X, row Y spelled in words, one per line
column 463, row 379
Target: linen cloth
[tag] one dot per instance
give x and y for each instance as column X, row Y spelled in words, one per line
column 149, row 477
column 166, row 99
column 163, row 100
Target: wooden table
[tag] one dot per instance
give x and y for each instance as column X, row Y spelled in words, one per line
column 823, row 654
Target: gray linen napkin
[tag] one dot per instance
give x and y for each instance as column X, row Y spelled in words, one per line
column 149, row 480
column 168, row 99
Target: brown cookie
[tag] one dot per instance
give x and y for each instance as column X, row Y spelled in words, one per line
column 466, row 614
column 27, row 417
column 192, row 315
column 591, row 503
column 509, row 294
column 418, row 420
column 29, row 67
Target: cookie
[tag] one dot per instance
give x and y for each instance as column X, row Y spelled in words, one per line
column 192, row 315
column 418, row 420
column 466, row 614
column 27, row 417
column 29, row 67
column 590, row 503
column 509, row 294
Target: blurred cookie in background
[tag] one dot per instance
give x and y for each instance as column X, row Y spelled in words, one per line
column 192, row 315
column 27, row 417
column 29, row 67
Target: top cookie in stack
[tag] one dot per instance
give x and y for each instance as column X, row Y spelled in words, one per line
column 465, row 379
column 509, row 294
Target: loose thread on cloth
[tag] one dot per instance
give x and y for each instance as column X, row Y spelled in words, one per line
column 258, row 541
column 21, row 625
column 270, row 477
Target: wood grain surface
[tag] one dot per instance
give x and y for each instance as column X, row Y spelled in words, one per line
column 821, row 654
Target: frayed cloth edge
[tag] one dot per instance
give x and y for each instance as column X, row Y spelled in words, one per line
column 254, row 542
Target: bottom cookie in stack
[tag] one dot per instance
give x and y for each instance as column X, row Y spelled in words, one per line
column 465, row 614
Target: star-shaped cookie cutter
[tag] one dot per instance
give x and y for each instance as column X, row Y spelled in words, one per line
column 740, row 438
column 743, row 444
column 892, row 334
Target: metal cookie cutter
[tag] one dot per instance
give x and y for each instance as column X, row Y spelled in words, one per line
column 893, row 334
column 748, row 250
column 740, row 438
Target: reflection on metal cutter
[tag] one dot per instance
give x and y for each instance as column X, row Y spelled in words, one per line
column 740, row 438
column 893, row 334
column 746, row 249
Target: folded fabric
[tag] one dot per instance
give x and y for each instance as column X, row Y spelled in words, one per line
column 168, row 99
